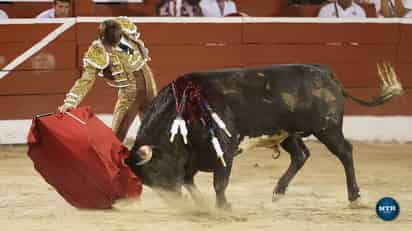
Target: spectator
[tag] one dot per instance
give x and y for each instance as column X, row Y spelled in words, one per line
column 3, row 15
column 391, row 8
column 342, row 9
column 61, row 9
column 217, row 8
column 408, row 6
column 178, row 8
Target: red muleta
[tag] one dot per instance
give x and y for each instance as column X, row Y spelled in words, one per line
column 82, row 159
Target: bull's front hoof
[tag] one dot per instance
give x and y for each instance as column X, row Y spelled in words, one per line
column 277, row 196
column 224, row 206
column 125, row 202
column 358, row 204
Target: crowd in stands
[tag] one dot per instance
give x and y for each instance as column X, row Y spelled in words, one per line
column 342, row 9
column 186, row 8
column 353, row 8
column 222, row 8
column 384, row 8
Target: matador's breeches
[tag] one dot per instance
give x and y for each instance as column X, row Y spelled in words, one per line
column 126, row 96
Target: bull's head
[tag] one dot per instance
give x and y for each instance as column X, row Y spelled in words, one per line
column 158, row 165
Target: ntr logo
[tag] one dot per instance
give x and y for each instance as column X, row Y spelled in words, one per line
column 387, row 209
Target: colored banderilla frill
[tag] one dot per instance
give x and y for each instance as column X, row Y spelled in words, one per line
column 179, row 124
column 198, row 108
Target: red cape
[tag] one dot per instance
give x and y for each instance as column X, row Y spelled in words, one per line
column 83, row 162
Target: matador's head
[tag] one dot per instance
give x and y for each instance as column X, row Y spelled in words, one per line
column 110, row 32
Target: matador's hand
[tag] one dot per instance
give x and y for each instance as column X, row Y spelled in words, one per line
column 65, row 107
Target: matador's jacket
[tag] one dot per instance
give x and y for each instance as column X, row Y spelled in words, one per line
column 123, row 67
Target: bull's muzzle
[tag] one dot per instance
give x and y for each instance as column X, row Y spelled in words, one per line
column 145, row 153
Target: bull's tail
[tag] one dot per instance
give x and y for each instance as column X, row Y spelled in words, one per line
column 390, row 88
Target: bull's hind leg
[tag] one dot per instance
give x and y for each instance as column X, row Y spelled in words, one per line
column 299, row 153
column 340, row 147
column 221, row 177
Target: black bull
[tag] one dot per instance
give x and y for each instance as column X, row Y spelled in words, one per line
column 297, row 100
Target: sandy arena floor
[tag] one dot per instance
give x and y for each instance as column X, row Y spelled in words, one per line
column 316, row 199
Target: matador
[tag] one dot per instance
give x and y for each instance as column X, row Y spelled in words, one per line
column 120, row 57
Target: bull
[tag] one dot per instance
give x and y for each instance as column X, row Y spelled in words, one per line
column 282, row 103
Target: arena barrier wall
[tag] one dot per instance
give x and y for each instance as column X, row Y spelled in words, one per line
column 41, row 59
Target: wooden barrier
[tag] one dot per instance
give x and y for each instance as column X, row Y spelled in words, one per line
column 89, row 8
column 262, row 8
column 39, row 84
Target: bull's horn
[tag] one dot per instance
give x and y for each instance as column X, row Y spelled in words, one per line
column 145, row 153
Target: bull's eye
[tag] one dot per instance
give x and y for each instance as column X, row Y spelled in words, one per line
column 267, row 86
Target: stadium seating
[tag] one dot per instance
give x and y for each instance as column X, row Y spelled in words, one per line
column 262, row 8
column 24, row 9
column 313, row 10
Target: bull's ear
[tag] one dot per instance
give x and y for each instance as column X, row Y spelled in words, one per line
column 145, row 153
